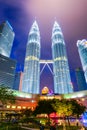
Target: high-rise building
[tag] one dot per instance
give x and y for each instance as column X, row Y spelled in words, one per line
column 17, row 80
column 7, row 71
column 21, row 78
column 31, row 78
column 62, row 81
column 82, row 49
column 80, row 79
column 6, row 38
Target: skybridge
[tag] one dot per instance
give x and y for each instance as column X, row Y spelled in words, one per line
column 46, row 63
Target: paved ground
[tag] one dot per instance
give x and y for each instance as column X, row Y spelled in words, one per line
column 31, row 128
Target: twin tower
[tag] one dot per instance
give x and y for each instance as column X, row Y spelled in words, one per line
column 31, row 77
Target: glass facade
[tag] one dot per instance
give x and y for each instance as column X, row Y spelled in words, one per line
column 7, row 71
column 80, row 79
column 31, row 77
column 62, row 81
column 82, row 49
column 17, row 80
column 6, row 38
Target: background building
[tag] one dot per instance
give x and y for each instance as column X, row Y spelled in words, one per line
column 7, row 71
column 6, row 38
column 30, row 101
column 82, row 49
column 31, row 78
column 81, row 79
column 62, row 81
column 17, row 81
column 21, row 79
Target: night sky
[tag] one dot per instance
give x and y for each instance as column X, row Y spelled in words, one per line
column 71, row 16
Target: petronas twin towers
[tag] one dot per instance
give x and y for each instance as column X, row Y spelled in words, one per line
column 31, row 78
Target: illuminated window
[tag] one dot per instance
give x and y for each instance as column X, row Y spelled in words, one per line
column 19, row 107
column 8, row 106
column 13, row 107
column 24, row 107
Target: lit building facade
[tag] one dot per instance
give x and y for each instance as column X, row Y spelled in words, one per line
column 62, row 81
column 82, row 49
column 30, row 101
column 7, row 71
column 31, row 77
column 80, row 79
column 20, row 84
column 6, row 38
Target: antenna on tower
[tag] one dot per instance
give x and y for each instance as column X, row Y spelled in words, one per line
column 35, row 18
column 55, row 19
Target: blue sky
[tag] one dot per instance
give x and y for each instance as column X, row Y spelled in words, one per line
column 71, row 16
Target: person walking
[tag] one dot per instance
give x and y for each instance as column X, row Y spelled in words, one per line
column 52, row 128
column 41, row 127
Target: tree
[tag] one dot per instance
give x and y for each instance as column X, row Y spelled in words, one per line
column 45, row 107
column 6, row 95
column 66, row 108
column 26, row 112
column 63, row 108
column 77, row 108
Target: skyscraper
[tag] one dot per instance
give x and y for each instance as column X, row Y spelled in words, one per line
column 62, row 81
column 6, row 38
column 7, row 71
column 17, row 80
column 82, row 49
column 80, row 79
column 31, row 78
